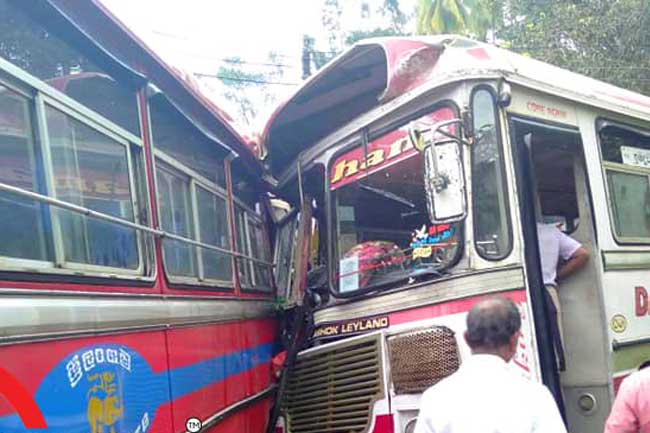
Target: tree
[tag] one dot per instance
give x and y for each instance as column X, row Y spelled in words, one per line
column 467, row 17
column 604, row 39
column 250, row 90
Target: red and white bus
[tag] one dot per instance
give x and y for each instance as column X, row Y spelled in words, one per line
column 419, row 168
column 136, row 290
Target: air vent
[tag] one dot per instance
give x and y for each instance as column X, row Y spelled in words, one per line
column 419, row 359
column 332, row 389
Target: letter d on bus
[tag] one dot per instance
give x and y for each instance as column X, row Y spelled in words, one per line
column 641, row 300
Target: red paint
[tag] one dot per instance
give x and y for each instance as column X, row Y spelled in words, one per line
column 213, row 398
column 198, row 343
column 640, row 301
column 450, row 307
column 21, row 400
column 384, row 424
column 479, row 53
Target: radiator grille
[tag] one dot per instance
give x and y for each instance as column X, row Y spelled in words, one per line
column 332, row 390
column 419, row 359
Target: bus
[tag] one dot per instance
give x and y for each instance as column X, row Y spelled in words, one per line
column 418, row 169
column 137, row 290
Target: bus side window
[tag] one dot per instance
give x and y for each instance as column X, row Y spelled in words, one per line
column 25, row 231
column 627, row 169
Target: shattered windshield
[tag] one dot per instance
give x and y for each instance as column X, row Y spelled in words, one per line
column 383, row 233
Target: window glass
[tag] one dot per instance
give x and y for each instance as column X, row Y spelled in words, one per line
column 91, row 170
column 261, row 251
column 38, row 50
column 252, row 241
column 626, row 155
column 213, row 226
column 178, row 138
column 243, row 245
column 490, row 200
column 176, row 218
column 382, row 230
column 23, row 229
column 630, row 202
column 284, row 253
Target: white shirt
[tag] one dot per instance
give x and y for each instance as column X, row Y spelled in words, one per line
column 553, row 246
column 485, row 396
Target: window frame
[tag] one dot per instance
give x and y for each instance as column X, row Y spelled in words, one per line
column 195, row 181
column 359, row 138
column 502, row 169
column 252, row 214
column 39, row 95
column 600, row 124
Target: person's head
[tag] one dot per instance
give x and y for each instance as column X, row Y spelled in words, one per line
column 644, row 364
column 493, row 327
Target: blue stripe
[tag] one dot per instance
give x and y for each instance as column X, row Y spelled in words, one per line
column 186, row 380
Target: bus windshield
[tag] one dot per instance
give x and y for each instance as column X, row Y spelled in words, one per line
column 382, row 231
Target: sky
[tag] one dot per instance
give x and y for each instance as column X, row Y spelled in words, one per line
column 197, row 35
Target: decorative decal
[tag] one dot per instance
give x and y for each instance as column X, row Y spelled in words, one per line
column 618, row 323
column 351, row 327
column 424, row 239
column 110, row 388
column 382, row 152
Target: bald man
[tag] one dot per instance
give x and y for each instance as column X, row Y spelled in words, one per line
column 485, row 395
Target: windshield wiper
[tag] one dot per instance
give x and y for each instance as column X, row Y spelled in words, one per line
column 389, row 195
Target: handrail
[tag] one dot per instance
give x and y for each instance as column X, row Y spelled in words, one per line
column 119, row 221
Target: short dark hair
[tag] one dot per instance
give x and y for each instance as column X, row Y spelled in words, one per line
column 492, row 322
column 644, row 364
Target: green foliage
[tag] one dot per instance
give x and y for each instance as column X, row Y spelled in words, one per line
column 604, row 39
column 466, row 17
column 247, row 89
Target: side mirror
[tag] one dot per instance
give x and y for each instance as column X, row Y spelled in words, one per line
column 444, row 177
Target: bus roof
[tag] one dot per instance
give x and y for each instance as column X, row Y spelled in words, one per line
column 115, row 48
column 376, row 71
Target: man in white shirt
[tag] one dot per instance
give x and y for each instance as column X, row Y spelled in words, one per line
column 485, row 395
column 556, row 247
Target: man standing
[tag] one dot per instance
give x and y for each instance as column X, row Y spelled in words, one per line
column 484, row 395
column 631, row 410
column 556, row 247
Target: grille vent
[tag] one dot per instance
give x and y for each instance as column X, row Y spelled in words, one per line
column 332, row 390
column 419, row 359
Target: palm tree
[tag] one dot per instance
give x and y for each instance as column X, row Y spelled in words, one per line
column 468, row 17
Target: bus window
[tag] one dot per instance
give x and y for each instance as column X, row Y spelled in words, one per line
column 190, row 176
column 492, row 234
column 214, row 230
column 176, row 218
column 23, row 233
column 382, row 231
column 92, row 170
column 626, row 160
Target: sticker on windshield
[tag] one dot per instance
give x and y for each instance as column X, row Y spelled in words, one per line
column 349, row 274
column 425, row 238
column 635, row 156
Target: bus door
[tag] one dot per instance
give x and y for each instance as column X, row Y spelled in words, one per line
column 553, row 189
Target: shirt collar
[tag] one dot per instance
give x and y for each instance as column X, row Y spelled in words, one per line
column 485, row 359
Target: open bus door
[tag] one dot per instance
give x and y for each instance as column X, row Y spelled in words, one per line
column 553, row 188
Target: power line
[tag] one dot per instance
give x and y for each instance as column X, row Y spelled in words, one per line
column 245, row 80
